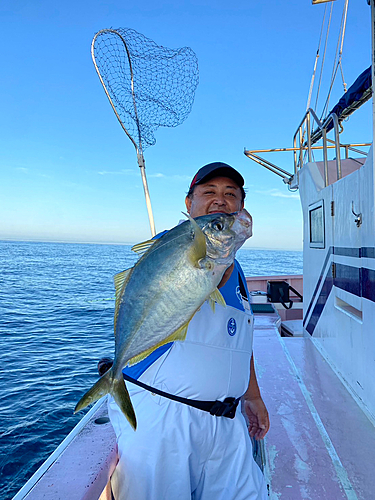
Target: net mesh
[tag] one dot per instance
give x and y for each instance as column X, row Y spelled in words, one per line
column 164, row 81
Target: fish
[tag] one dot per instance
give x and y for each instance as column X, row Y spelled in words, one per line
column 157, row 298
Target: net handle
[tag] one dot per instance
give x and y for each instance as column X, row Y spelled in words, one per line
column 138, row 147
column 141, row 164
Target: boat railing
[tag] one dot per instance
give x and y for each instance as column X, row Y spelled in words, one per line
column 302, row 145
column 305, row 127
column 320, row 132
column 81, row 466
column 286, row 176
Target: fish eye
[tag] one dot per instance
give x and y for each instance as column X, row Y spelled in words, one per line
column 219, row 226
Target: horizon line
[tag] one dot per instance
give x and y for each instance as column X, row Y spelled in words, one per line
column 29, row 240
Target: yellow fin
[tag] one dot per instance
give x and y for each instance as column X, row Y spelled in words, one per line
column 109, row 384
column 216, row 296
column 120, row 280
column 198, row 250
column 179, row 334
column 141, row 248
column 212, row 303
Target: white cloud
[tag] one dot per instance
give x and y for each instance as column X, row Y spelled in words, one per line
column 279, row 194
column 156, row 175
column 176, row 177
column 184, row 178
column 124, row 171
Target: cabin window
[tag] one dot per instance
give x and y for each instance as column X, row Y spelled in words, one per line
column 316, row 221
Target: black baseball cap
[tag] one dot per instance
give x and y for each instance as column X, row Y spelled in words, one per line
column 217, row 169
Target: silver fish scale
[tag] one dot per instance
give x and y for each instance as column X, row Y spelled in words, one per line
column 157, row 305
column 166, row 289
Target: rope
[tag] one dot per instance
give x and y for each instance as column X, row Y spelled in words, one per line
column 324, row 56
column 342, row 77
column 338, row 58
column 313, row 75
column 316, row 61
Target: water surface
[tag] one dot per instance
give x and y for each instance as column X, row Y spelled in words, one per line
column 56, row 310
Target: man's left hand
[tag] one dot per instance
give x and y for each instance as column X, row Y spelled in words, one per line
column 257, row 414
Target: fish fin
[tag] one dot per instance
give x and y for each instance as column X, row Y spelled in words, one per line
column 216, row 296
column 97, row 391
column 206, row 263
column 212, row 303
column 122, row 398
column 120, row 280
column 141, row 248
column 198, row 250
column 179, row 334
column 108, row 384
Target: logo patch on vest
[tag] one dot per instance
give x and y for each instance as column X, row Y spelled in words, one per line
column 238, row 293
column 232, row 327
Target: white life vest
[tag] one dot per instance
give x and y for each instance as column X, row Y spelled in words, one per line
column 214, row 360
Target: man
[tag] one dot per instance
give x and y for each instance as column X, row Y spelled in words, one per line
column 181, row 451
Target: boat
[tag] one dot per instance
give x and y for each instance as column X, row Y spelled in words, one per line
column 322, row 440
column 314, row 357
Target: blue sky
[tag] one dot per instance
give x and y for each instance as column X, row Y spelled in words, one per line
column 69, row 173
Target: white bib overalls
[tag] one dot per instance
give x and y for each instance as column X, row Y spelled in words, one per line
column 180, row 452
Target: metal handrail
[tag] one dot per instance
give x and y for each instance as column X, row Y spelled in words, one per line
column 342, row 145
column 307, row 145
column 323, row 128
column 348, row 147
column 270, row 166
column 287, row 176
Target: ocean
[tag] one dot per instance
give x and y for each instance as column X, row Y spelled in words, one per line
column 56, row 322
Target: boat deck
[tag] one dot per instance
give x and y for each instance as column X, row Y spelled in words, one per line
column 320, row 445
column 80, row 468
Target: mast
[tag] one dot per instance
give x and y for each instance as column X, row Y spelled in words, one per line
column 372, row 4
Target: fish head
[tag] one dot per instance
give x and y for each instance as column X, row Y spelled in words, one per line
column 243, row 227
column 225, row 234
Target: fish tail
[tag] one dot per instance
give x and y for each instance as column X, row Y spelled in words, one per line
column 98, row 390
column 122, row 398
column 108, row 384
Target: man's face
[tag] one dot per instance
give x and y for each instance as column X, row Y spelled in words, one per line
column 219, row 194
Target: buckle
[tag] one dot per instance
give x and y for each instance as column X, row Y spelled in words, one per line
column 226, row 408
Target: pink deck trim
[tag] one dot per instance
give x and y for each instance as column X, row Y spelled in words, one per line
column 260, row 282
column 348, row 166
column 83, row 470
column 299, row 463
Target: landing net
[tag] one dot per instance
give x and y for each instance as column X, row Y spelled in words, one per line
column 147, row 85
